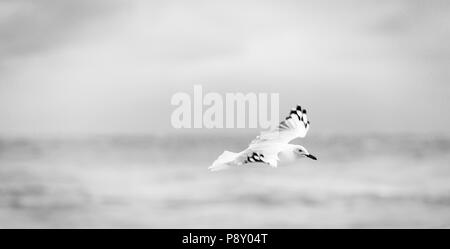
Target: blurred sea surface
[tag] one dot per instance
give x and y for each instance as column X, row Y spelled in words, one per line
column 373, row 181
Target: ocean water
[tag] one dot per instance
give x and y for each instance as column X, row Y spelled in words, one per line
column 377, row 181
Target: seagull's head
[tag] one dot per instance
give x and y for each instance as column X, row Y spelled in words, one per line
column 302, row 152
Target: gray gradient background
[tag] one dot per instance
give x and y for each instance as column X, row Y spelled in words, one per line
column 76, row 67
column 85, row 133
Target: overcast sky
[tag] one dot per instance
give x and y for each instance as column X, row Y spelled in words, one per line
column 102, row 66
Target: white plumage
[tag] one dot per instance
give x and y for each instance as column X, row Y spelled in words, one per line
column 271, row 147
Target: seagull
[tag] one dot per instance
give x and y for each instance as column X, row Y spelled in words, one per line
column 271, row 147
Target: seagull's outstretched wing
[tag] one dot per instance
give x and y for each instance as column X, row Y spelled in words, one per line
column 294, row 126
column 266, row 147
column 262, row 154
column 267, row 154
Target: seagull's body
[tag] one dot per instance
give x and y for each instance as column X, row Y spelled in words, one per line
column 272, row 147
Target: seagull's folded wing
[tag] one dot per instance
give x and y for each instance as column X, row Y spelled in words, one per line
column 294, row 126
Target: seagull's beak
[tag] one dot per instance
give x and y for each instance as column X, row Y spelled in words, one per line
column 311, row 156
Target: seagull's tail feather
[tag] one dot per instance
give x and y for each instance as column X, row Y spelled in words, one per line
column 225, row 161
